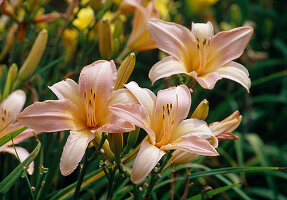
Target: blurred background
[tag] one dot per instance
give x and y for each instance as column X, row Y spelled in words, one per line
column 73, row 42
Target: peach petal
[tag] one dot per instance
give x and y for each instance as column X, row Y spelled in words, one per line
column 227, row 125
column 51, row 116
column 227, row 136
column 181, row 157
column 146, row 160
column 98, row 78
column 192, row 144
column 227, row 46
column 191, row 127
column 74, row 150
column 165, row 68
column 173, row 39
column 208, row 80
column 179, row 97
column 145, row 98
column 23, row 154
column 236, row 72
column 136, row 115
column 68, row 89
column 13, row 105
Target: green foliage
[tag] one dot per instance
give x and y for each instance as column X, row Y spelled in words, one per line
column 254, row 160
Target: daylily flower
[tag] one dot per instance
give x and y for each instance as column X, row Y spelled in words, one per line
column 222, row 130
column 140, row 39
column 9, row 109
column 162, row 117
column 200, row 54
column 83, row 109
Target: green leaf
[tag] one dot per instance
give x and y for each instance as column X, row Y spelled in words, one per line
column 213, row 192
column 233, row 170
column 8, row 182
column 257, row 145
column 10, row 136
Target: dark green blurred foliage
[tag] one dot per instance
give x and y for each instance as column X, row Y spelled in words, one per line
column 263, row 132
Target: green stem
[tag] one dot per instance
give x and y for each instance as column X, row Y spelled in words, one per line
column 24, row 171
column 81, row 177
column 154, row 176
column 123, row 54
column 85, row 166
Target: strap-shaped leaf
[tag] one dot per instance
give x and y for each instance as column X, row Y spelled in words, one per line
column 213, row 192
column 10, row 136
column 8, row 182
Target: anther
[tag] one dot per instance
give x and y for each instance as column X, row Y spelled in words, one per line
column 204, row 42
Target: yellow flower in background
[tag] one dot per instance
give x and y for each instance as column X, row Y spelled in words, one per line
column 162, row 7
column 197, row 6
column 85, row 18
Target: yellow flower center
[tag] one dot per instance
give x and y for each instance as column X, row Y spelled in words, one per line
column 90, row 104
column 4, row 117
column 203, row 46
column 168, row 122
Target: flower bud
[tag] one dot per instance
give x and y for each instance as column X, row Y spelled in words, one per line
column 9, row 41
column 181, row 157
column 133, row 136
column 96, row 5
column 116, row 143
column 222, row 130
column 125, row 71
column 11, row 76
column 107, row 152
column 7, row 9
column 201, row 111
column 105, row 39
column 34, row 57
column 236, row 15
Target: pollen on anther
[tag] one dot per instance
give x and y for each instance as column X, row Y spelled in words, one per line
column 204, row 42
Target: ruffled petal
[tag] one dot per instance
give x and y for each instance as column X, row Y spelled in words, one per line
column 193, row 127
column 11, row 107
column 97, row 82
column 68, row 89
column 180, row 100
column 227, row 46
column 144, row 96
column 52, row 115
column 23, row 154
column 116, row 125
column 140, row 39
column 227, row 136
column 74, row 150
column 207, row 80
column 192, row 144
column 227, row 125
column 173, row 39
column 236, row 72
column 146, row 160
column 165, row 68
column 135, row 114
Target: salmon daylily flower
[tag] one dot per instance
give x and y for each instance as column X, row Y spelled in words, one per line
column 222, row 130
column 140, row 39
column 162, row 117
column 9, row 109
column 199, row 53
column 83, row 109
